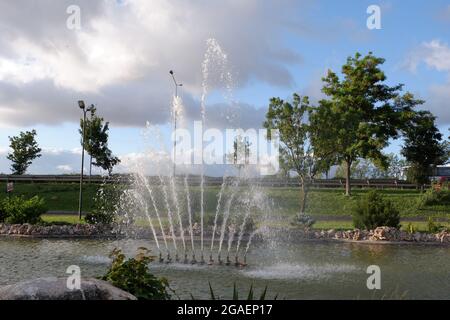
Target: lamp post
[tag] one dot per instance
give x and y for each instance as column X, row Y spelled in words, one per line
column 175, row 122
column 85, row 110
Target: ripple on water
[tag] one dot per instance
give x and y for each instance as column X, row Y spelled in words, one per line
column 283, row 271
column 96, row 259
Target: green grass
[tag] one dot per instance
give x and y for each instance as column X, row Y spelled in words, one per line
column 58, row 196
column 61, row 219
column 421, row 226
column 334, row 202
column 321, row 202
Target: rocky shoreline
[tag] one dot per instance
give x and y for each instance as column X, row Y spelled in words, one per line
column 55, row 231
column 380, row 234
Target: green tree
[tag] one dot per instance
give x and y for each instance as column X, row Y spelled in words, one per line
column 422, row 147
column 96, row 142
column 361, row 114
column 240, row 156
column 24, row 150
column 296, row 152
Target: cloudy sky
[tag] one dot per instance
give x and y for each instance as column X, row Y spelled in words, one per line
column 120, row 57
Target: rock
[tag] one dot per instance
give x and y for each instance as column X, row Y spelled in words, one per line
column 357, row 235
column 386, row 234
column 56, row 289
column 331, row 233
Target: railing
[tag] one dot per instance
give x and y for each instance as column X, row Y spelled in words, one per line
column 217, row 181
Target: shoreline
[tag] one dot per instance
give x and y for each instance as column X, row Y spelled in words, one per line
column 381, row 235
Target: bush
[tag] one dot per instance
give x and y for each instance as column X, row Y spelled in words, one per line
column 104, row 210
column 410, row 228
column 432, row 226
column 434, row 197
column 18, row 210
column 374, row 211
column 133, row 276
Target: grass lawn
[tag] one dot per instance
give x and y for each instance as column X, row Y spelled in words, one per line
column 321, row 202
column 334, row 202
column 345, row 225
column 66, row 219
column 58, row 196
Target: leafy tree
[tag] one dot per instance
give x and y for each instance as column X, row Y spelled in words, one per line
column 296, row 151
column 366, row 169
column 96, row 142
column 241, row 152
column 361, row 115
column 24, row 150
column 423, row 148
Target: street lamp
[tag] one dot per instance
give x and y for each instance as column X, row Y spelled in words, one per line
column 85, row 110
column 175, row 122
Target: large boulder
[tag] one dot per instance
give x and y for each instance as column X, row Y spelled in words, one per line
column 56, row 289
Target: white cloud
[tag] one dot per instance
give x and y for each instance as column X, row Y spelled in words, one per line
column 435, row 54
column 65, row 168
column 121, row 56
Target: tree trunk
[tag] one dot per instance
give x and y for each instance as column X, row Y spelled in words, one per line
column 348, row 191
column 303, row 196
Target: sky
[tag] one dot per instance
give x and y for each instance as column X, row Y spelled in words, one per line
column 119, row 58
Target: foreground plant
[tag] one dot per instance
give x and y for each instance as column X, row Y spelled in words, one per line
column 250, row 295
column 133, row 276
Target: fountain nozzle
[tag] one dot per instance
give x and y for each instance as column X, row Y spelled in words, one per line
column 169, row 259
column 186, row 261
column 236, row 261
column 161, row 259
column 219, row 259
column 228, row 261
column 202, row 259
column 177, row 259
column 194, row 261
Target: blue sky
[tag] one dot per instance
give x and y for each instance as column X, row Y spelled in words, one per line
column 273, row 49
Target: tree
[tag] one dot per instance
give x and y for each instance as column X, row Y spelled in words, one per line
column 361, row 115
column 296, row 151
column 24, row 150
column 240, row 156
column 96, row 142
column 366, row 169
column 423, row 148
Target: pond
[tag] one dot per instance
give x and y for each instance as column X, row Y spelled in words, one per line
column 302, row 270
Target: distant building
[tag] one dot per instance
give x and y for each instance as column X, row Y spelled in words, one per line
column 438, row 173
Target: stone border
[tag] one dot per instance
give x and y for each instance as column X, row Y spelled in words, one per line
column 380, row 235
column 56, row 231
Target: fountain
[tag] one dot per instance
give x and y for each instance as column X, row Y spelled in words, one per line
column 168, row 201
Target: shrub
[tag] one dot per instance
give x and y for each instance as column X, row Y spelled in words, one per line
column 434, row 197
column 374, row 211
column 410, row 228
column 18, row 210
column 432, row 226
column 104, row 210
column 133, row 276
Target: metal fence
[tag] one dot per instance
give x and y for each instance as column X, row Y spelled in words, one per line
column 217, row 181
